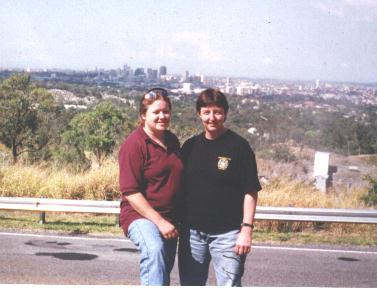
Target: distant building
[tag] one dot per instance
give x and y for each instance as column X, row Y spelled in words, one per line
column 152, row 74
column 229, row 89
column 187, row 87
column 163, row 70
column 187, row 76
column 243, row 90
column 197, row 79
column 317, row 84
column 139, row 71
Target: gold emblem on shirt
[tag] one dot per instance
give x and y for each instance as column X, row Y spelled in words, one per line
column 223, row 163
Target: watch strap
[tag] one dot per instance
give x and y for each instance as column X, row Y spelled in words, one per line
column 247, row 225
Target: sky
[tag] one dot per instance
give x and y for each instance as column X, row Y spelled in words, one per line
column 292, row 40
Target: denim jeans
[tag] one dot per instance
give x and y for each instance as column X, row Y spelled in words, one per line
column 157, row 254
column 196, row 249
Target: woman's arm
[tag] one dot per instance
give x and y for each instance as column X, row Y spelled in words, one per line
column 243, row 243
column 141, row 205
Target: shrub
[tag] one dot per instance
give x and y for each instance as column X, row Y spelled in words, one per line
column 370, row 199
column 282, row 153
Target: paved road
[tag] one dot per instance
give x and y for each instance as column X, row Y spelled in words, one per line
column 53, row 259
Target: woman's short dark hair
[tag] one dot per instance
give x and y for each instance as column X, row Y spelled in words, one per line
column 212, row 96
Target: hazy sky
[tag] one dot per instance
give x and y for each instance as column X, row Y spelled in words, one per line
column 322, row 39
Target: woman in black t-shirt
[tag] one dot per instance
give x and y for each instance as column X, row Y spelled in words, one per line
column 219, row 197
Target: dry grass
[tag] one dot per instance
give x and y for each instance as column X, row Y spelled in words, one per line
column 102, row 184
column 286, row 192
column 49, row 182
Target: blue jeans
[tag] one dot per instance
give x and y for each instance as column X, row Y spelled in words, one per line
column 157, row 254
column 196, row 249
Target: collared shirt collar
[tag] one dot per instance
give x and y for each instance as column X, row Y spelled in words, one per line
column 142, row 133
column 147, row 138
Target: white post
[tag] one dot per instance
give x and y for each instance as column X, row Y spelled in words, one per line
column 321, row 168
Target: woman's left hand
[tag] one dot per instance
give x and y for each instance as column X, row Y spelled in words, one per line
column 243, row 243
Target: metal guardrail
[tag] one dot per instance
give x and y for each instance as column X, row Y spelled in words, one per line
column 43, row 205
column 356, row 216
column 60, row 205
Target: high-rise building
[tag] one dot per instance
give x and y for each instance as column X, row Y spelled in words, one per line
column 127, row 72
column 317, row 84
column 163, row 70
column 139, row 71
column 152, row 74
column 187, row 76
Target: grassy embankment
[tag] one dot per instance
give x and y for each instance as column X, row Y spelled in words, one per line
column 102, row 184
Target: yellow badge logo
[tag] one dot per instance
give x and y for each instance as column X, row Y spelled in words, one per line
column 223, row 163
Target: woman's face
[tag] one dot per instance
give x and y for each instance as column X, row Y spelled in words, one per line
column 157, row 117
column 213, row 118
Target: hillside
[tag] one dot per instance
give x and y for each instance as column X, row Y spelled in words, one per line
column 346, row 171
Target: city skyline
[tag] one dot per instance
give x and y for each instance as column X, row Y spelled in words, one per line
column 293, row 40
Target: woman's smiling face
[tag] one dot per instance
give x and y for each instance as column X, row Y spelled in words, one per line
column 157, row 117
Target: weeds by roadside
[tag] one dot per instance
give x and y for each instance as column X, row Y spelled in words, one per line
column 102, row 184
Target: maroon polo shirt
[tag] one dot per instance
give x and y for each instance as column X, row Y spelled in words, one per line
column 146, row 167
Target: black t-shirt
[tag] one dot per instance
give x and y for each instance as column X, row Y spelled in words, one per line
column 217, row 175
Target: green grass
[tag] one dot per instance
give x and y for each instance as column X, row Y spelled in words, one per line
column 314, row 237
column 106, row 225
column 72, row 223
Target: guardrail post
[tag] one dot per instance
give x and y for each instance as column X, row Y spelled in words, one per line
column 42, row 218
column 117, row 219
column 289, row 226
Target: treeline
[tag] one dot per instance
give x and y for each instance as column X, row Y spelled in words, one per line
column 335, row 126
column 35, row 127
column 330, row 129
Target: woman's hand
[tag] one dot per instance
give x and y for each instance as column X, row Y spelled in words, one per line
column 167, row 229
column 142, row 206
column 243, row 243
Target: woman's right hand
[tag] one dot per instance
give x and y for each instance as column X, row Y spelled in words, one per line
column 167, row 229
column 141, row 205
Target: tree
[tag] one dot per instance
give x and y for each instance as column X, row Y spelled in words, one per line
column 96, row 131
column 24, row 112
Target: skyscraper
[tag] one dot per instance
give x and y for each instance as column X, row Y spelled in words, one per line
column 152, row 74
column 163, row 70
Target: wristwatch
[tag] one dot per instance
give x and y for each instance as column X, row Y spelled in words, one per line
column 247, row 225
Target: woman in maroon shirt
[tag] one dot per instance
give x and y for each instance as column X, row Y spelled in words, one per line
column 149, row 176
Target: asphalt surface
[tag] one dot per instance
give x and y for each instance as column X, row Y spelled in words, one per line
column 58, row 259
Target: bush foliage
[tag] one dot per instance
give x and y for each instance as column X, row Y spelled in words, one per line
column 370, row 198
